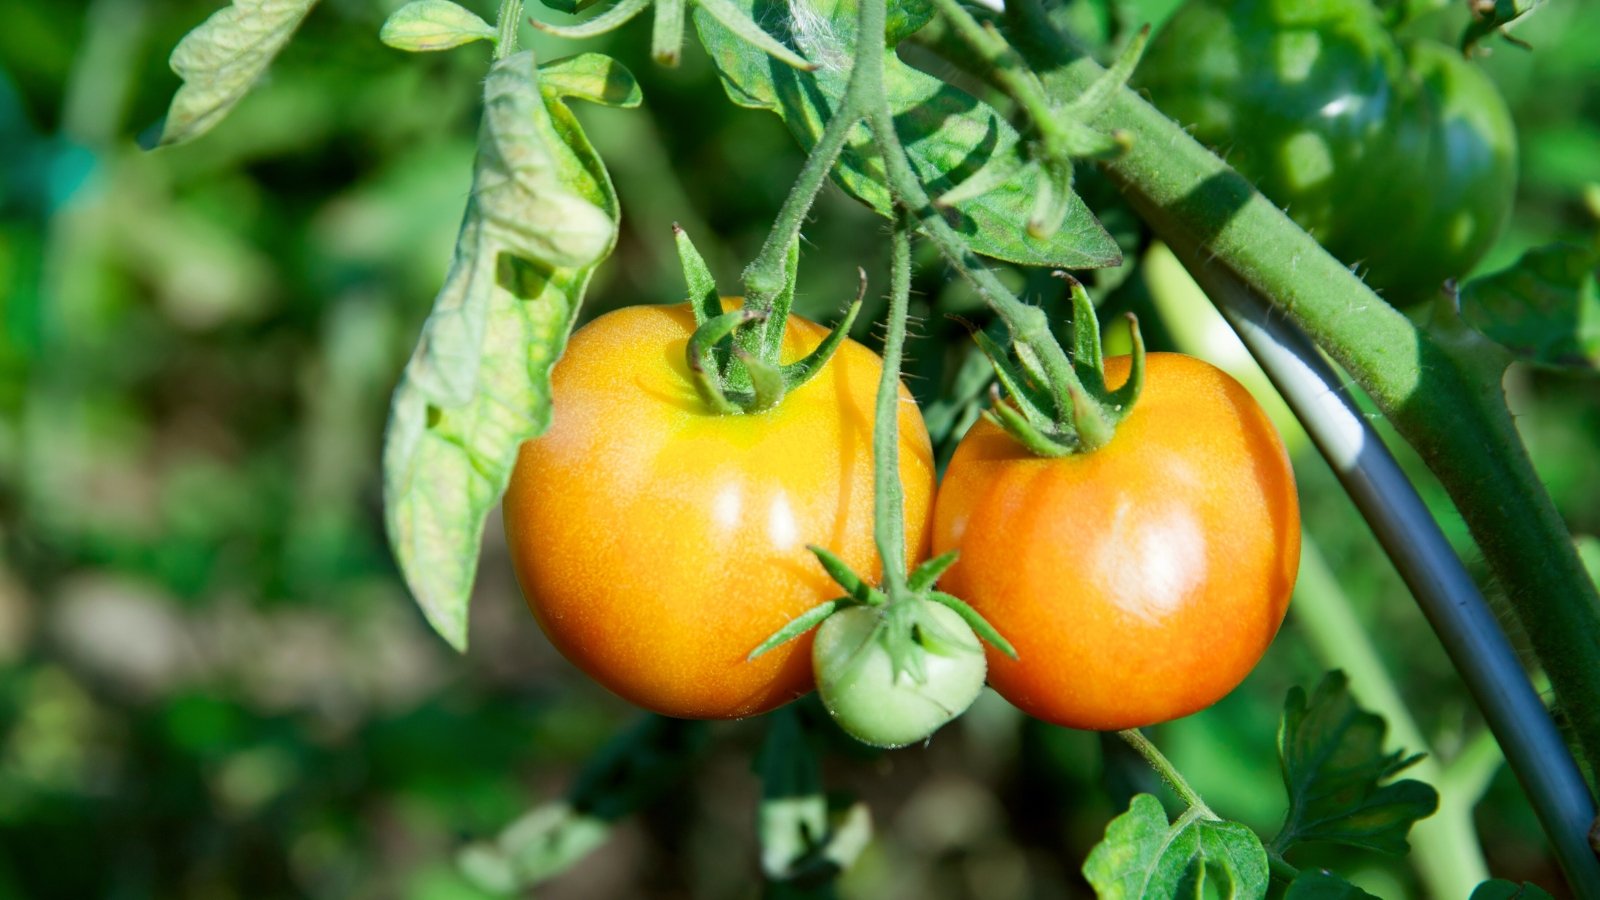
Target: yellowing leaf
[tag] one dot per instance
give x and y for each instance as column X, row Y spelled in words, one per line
column 425, row 25
column 221, row 59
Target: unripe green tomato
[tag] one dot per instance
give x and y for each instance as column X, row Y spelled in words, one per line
column 870, row 701
column 1400, row 159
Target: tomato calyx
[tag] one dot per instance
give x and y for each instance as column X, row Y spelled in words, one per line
column 1075, row 412
column 894, row 665
column 733, row 354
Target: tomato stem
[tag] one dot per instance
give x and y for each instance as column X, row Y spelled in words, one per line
column 889, row 517
column 507, row 24
column 1168, row 772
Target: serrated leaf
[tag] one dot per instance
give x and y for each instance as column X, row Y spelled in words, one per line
column 1500, row 889
column 1142, row 857
column 1545, row 308
column 1324, row 886
column 424, row 25
column 221, row 59
column 947, row 133
column 541, row 216
column 1331, row 753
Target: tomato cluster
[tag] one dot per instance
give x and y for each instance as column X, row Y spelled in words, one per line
column 1400, row 157
column 658, row 543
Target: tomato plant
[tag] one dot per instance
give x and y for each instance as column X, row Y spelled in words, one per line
column 1399, row 156
column 658, row 543
column 1140, row 581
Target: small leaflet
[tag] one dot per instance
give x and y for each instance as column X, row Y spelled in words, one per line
column 426, row 25
column 225, row 56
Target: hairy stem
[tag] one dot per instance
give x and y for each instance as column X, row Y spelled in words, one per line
column 507, row 23
column 1168, row 772
column 888, row 521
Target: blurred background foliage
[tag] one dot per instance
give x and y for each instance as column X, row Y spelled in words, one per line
column 212, row 683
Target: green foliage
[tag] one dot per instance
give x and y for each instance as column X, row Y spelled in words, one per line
column 1500, row 889
column 423, row 25
column 542, row 215
column 1323, row 886
column 1145, row 858
column 223, row 58
column 1333, row 762
column 948, row 133
column 1545, row 308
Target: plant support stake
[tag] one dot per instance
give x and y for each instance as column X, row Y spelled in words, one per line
column 1449, row 599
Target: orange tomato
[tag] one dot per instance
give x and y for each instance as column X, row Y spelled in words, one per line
column 1140, row 582
column 658, row 543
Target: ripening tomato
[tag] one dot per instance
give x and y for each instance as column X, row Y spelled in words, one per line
column 1139, row 582
column 658, row 542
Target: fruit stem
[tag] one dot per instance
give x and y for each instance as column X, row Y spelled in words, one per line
column 889, row 516
column 1168, row 772
column 507, row 23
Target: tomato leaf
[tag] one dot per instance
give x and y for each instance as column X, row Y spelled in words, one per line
column 220, row 61
column 1144, row 858
column 632, row 770
column 541, row 216
column 1500, row 889
column 424, row 25
column 1332, row 756
column 1545, row 308
column 947, row 133
column 1324, row 886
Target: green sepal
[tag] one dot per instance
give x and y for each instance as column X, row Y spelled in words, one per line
column 666, row 35
column 974, row 619
column 1036, row 406
column 766, row 380
column 702, row 360
column 841, row 573
column 801, row 624
column 610, row 20
column 1038, row 443
column 782, row 302
column 925, row 575
column 801, row 370
column 1123, row 398
column 703, row 296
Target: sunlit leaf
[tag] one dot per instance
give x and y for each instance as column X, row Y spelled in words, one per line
column 948, row 133
column 1333, row 762
column 423, row 25
column 1142, row 857
column 221, row 59
column 1545, row 308
column 542, row 215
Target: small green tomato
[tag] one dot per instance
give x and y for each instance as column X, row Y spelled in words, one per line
column 891, row 676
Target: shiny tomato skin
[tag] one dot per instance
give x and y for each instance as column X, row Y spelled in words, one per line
column 1140, row 582
column 658, row 543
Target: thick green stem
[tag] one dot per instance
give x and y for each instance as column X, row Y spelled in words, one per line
column 1168, row 772
column 507, row 23
column 1447, row 404
column 889, row 515
column 764, row 278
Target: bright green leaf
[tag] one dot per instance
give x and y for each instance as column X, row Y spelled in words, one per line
column 1500, row 889
column 1324, row 886
column 1144, row 858
column 1545, row 308
column 1332, row 756
column 542, row 215
column 423, row 25
column 594, row 77
column 221, row 59
column 948, row 134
